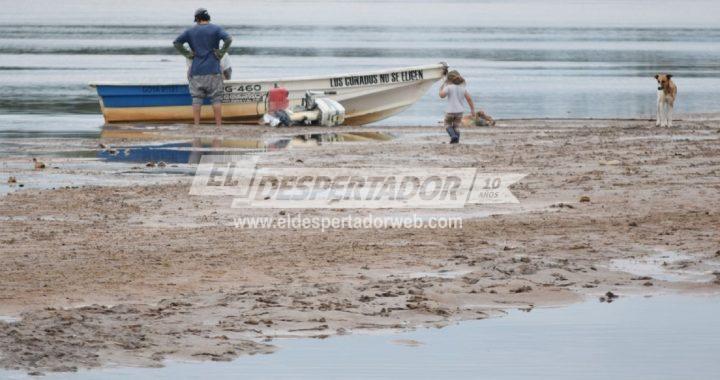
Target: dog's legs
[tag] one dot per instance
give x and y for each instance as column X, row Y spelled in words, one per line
column 664, row 114
column 669, row 114
column 659, row 111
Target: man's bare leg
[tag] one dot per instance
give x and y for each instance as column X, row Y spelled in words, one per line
column 217, row 111
column 196, row 114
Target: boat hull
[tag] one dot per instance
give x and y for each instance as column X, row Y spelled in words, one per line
column 367, row 97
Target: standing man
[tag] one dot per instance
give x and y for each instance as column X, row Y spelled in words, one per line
column 455, row 92
column 205, row 75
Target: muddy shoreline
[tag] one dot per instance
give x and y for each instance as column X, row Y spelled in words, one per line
column 132, row 275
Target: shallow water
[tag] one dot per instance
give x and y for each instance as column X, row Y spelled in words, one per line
column 89, row 174
column 667, row 337
column 522, row 58
column 190, row 152
column 153, row 157
column 666, row 265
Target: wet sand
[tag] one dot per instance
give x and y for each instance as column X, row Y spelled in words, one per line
column 131, row 275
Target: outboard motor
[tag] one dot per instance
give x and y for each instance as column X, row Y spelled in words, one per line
column 330, row 113
column 325, row 112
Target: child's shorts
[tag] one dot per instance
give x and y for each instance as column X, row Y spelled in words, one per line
column 453, row 120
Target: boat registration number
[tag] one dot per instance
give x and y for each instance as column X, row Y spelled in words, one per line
column 243, row 93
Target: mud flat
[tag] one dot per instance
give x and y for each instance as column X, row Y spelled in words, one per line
column 141, row 273
column 635, row 337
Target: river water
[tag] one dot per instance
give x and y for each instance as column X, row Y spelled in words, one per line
column 522, row 58
column 667, row 337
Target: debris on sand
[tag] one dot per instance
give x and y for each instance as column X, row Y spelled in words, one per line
column 161, row 164
column 609, row 297
column 522, row 289
column 584, row 198
column 12, row 179
column 38, row 164
column 480, row 119
column 151, row 164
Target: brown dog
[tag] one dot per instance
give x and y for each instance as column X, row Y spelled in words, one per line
column 667, row 91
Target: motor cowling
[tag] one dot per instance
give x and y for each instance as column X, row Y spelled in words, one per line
column 332, row 113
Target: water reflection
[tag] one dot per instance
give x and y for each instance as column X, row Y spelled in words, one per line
column 670, row 337
column 190, row 151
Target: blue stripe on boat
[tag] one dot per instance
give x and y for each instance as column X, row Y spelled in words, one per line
column 124, row 96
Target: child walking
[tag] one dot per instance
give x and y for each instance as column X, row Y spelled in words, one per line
column 454, row 90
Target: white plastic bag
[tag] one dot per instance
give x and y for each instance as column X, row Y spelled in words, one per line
column 270, row 119
column 224, row 63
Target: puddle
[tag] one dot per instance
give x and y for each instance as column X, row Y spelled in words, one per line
column 171, row 153
column 80, row 173
column 59, row 181
column 78, row 163
column 438, row 274
column 664, row 266
column 671, row 137
column 190, row 152
column 479, row 211
column 668, row 337
column 9, row 319
column 693, row 138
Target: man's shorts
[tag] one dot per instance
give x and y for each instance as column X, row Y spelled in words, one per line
column 206, row 86
column 453, row 120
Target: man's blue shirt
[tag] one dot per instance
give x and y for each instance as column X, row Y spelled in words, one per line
column 203, row 38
